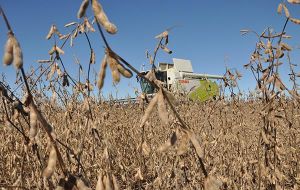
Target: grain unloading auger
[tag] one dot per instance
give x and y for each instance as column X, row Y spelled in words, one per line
column 180, row 78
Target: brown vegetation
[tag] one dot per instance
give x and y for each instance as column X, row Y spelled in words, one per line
column 79, row 141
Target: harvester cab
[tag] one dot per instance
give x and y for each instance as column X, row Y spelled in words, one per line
column 179, row 77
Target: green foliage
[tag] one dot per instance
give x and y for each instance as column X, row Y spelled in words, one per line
column 207, row 90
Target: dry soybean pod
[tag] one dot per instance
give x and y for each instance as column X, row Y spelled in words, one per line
column 102, row 18
column 113, row 64
column 33, row 123
column 171, row 97
column 82, row 9
column 18, row 55
column 196, row 144
column 51, row 32
column 294, row 20
column 110, row 27
column 8, row 51
column 162, row 108
column 52, row 50
column 285, row 46
column 49, row 170
column 149, row 110
column 88, row 25
column 101, row 75
column 294, row 1
column 81, row 185
column 107, row 182
column 92, row 57
column 60, row 51
column 115, row 182
column 165, row 49
column 100, row 185
column 279, row 8
column 286, row 11
column 125, row 72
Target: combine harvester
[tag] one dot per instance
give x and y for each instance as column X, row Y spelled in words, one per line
column 180, row 78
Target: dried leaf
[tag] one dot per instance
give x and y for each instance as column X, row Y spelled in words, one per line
column 162, row 35
column 75, row 33
column 286, row 36
column 244, row 31
column 59, row 72
column 52, row 50
column 270, row 80
column 62, row 37
column 278, row 64
column 52, row 71
column 71, row 24
column 238, row 74
column 278, row 84
column 285, row 46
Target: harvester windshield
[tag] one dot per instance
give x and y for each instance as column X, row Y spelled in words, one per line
column 146, row 87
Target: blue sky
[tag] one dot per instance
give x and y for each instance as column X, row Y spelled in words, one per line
column 207, row 33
